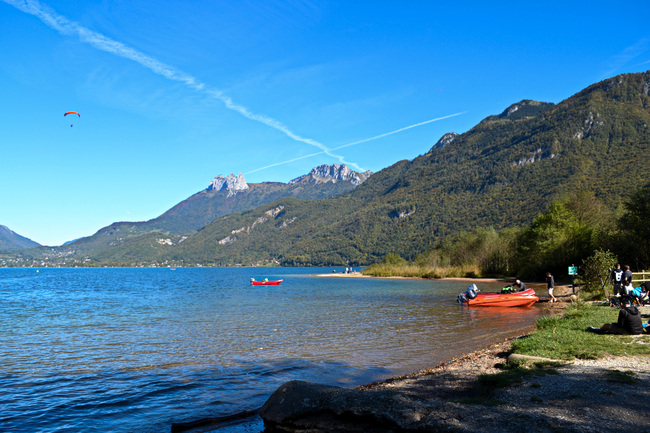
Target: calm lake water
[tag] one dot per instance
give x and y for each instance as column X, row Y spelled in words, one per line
column 125, row 350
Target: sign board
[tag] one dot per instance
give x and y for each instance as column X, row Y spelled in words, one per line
column 573, row 270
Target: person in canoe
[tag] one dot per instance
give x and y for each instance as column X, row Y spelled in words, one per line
column 519, row 286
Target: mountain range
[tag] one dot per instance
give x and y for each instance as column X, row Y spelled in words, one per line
column 501, row 173
column 224, row 195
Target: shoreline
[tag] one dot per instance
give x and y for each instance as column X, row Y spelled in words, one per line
column 482, row 358
column 460, row 279
column 601, row 395
column 399, row 277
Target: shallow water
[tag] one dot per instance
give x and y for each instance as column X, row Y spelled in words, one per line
column 137, row 349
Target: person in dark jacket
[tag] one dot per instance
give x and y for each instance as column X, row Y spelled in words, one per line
column 550, row 285
column 521, row 286
column 629, row 321
column 617, row 279
column 627, row 280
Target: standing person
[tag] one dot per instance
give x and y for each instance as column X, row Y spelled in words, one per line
column 627, row 281
column 550, row 283
column 617, row 278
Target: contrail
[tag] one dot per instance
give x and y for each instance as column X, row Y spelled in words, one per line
column 399, row 130
column 66, row 27
column 359, row 141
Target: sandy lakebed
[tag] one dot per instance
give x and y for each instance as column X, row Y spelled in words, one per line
column 611, row 394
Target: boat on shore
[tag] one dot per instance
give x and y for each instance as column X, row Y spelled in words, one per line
column 266, row 282
column 473, row 297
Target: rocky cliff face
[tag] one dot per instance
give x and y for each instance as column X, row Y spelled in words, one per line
column 333, row 173
column 231, row 183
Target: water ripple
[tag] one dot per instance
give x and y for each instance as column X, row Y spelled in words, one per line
column 136, row 349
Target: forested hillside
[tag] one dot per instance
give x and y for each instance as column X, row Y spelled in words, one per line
column 10, row 240
column 502, row 173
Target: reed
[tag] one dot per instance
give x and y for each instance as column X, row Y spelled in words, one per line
column 411, row 270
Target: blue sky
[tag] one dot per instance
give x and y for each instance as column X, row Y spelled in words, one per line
column 173, row 93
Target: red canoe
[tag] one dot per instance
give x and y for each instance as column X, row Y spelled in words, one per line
column 266, row 282
column 518, row 299
column 480, row 299
column 529, row 292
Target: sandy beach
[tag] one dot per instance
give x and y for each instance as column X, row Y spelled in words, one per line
column 360, row 275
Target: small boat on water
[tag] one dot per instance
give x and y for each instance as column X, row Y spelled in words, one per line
column 473, row 297
column 266, row 282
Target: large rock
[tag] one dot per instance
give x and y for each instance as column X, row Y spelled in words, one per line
column 299, row 406
column 231, row 183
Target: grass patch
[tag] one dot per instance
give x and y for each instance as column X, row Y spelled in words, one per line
column 566, row 337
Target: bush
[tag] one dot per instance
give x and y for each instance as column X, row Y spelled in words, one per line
column 596, row 270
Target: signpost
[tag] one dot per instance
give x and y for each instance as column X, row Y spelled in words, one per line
column 573, row 271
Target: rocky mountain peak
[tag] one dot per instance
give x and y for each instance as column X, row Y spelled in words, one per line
column 524, row 109
column 333, row 173
column 444, row 140
column 233, row 184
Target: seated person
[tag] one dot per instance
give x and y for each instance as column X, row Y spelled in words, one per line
column 629, row 321
column 645, row 293
column 640, row 294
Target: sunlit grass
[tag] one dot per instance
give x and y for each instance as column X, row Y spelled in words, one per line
column 566, row 337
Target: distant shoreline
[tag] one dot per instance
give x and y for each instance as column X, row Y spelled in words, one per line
column 360, row 275
column 536, row 284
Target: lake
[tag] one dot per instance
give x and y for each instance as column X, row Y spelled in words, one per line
column 135, row 349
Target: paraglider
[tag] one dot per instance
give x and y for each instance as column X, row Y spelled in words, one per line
column 71, row 112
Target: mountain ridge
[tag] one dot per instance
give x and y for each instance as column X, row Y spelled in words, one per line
column 10, row 240
column 501, row 173
column 222, row 196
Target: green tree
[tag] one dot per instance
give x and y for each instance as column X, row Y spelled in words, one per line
column 556, row 239
column 635, row 228
column 595, row 271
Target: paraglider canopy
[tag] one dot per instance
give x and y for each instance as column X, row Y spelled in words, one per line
column 71, row 112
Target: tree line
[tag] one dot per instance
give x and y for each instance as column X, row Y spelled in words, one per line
column 578, row 229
